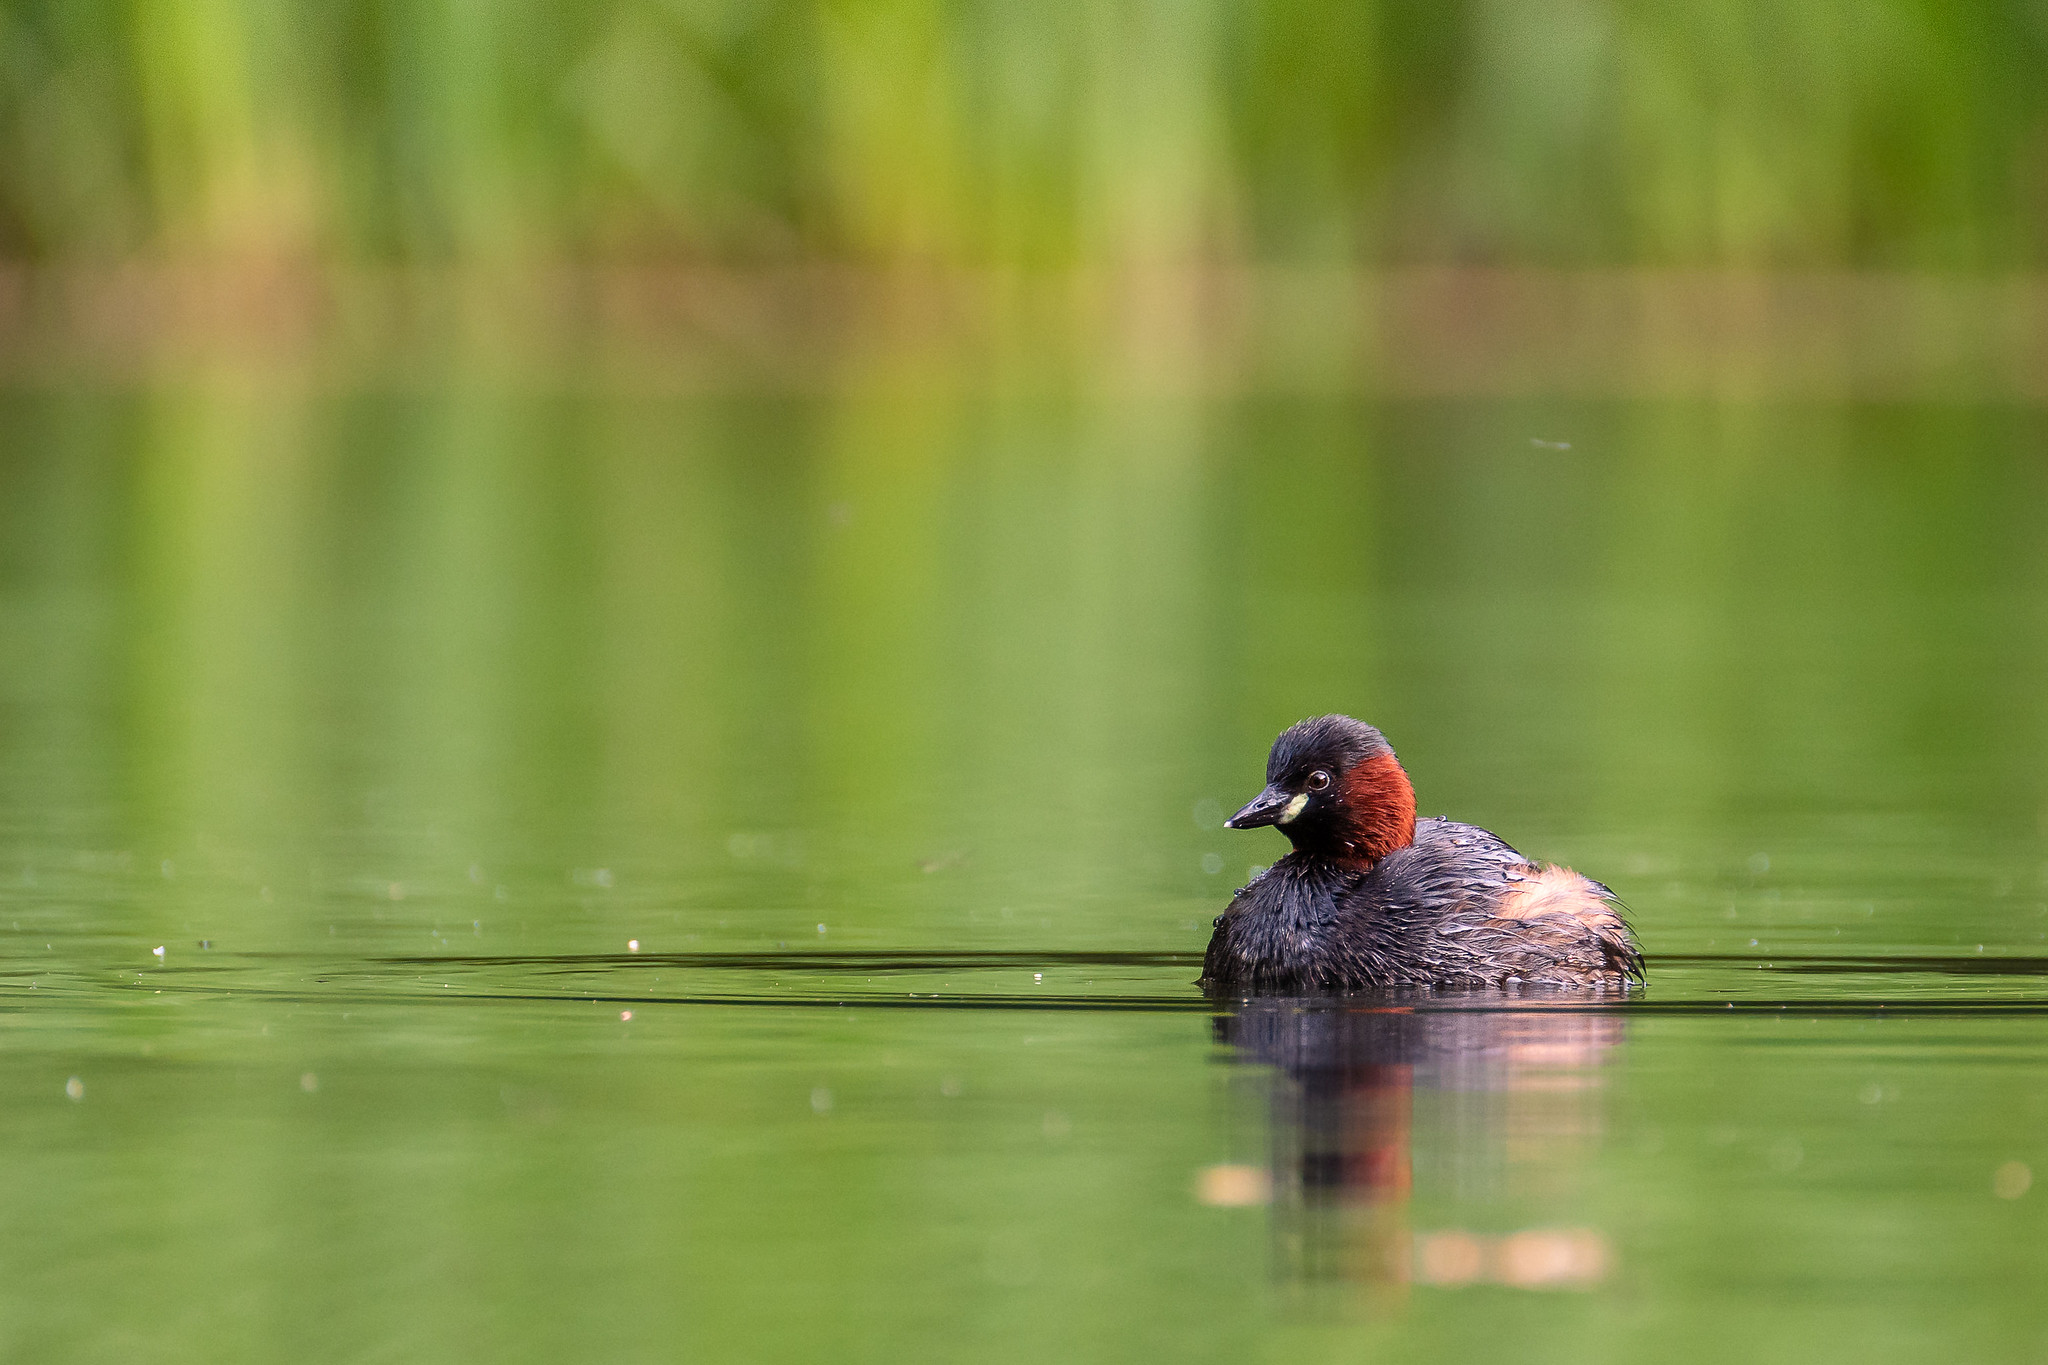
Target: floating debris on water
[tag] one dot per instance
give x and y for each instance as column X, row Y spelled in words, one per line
column 309, row 1082
column 1541, row 1258
column 821, row 1101
column 2012, row 1180
column 1234, row 1187
column 75, row 1088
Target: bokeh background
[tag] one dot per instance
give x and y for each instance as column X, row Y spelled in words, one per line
column 982, row 416
column 1750, row 195
column 1562, row 132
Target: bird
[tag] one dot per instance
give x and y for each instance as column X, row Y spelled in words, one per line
column 1371, row 899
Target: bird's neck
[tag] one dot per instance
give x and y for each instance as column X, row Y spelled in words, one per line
column 1378, row 812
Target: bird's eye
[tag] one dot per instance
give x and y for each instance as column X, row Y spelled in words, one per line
column 1318, row 780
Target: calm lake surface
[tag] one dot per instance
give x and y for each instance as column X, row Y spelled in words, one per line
column 493, row 877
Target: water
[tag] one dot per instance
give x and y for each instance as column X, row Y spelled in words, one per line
column 649, row 878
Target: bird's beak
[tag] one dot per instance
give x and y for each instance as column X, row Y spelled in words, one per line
column 1273, row 806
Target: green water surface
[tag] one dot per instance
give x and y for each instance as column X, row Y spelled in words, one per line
column 493, row 876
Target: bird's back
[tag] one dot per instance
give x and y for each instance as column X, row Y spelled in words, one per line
column 1460, row 907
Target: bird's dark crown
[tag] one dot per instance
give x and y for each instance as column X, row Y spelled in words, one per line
column 1337, row 743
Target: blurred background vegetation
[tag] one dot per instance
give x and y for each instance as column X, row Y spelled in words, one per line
column 1890, row 134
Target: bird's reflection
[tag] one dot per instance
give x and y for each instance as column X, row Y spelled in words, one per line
column 1406, row 1143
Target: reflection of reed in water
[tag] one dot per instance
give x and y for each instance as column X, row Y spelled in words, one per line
column 1490, row 1111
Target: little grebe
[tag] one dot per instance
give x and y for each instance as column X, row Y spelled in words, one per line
column 1371, row 898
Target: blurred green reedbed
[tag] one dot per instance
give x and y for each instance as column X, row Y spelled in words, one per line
column 1871, row 133
column 490, row 877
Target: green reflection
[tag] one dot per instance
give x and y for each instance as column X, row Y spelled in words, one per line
column 957, row 672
